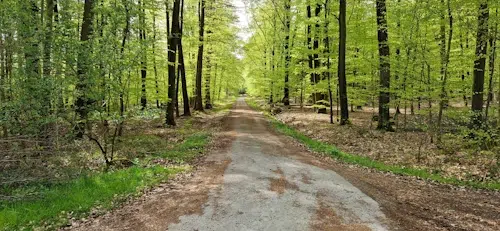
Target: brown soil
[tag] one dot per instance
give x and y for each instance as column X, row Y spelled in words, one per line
column 280, row 184
column 306, row 179
column 326, row 219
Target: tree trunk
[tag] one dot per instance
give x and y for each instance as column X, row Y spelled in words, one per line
column 286, row 96
column 177, row 81
column 318, row 96
column 385, row 68
column 155, row 68
column 479, row 65
column 220, row 83
column 47, row 47
column 444, row 68
column 173, row 41
column 493, row 45
column 182, row 68
column 310, row 57
column 198, row 103
column 142, row 35
column 83, row 66
column 126, row 31
column 214, row 87
column 344, row 110
column 208, row 100
column 327, row 54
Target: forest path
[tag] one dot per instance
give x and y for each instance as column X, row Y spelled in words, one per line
column 261, row 181
column 266, row 188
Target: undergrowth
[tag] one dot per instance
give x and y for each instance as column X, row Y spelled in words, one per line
column 51, row 205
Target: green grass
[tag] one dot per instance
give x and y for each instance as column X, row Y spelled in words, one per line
column 332, row 151
column 80, row 196
column 52, row 202
column 187, row 150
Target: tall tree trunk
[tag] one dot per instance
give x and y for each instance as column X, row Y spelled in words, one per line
column 198, row 103
column 327, row 54
column 444, row 68
column 47, row 47
column 185, row 97
column 208, row 100
column 29, row 35
column 214, row 87
column 2, row 68
column 83, row 67
column 142, row 34
column 155, row 68
column 271, row 88
column 126, row 31
column 167, row 17
column 344, row 110
column 220, row 83
column 479, row 64
column 286, row 96
column 396, row 90
column 493, row 45
column 177, row 81
column 316, row 61
column 310, row 57
column 182, row 68
column 385, row 67
column 173, row 41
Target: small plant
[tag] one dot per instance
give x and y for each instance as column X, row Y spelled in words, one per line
column 104, row 134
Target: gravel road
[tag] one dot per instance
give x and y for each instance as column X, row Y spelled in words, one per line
column 263, row 189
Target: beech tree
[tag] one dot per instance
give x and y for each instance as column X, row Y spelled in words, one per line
column 173, row 41
column 480, row 64
column 82, row 100
column 344, row 115
column 198, row 103
column 385, row 67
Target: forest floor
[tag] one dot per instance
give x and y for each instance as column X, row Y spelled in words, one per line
column 410, row 146
column 258, row 179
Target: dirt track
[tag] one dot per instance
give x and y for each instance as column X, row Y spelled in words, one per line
column 265, row 181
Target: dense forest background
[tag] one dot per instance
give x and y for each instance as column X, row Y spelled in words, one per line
column 68, row 66
column 425, row 69
column 127, row 92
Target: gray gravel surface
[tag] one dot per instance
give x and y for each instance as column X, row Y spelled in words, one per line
column 264, row 189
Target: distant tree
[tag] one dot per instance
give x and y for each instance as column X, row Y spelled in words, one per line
column 286, row 93
column 142, row 35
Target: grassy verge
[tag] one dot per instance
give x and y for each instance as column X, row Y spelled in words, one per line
column 187, row 150
column 332, row 151
column 54, row 204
